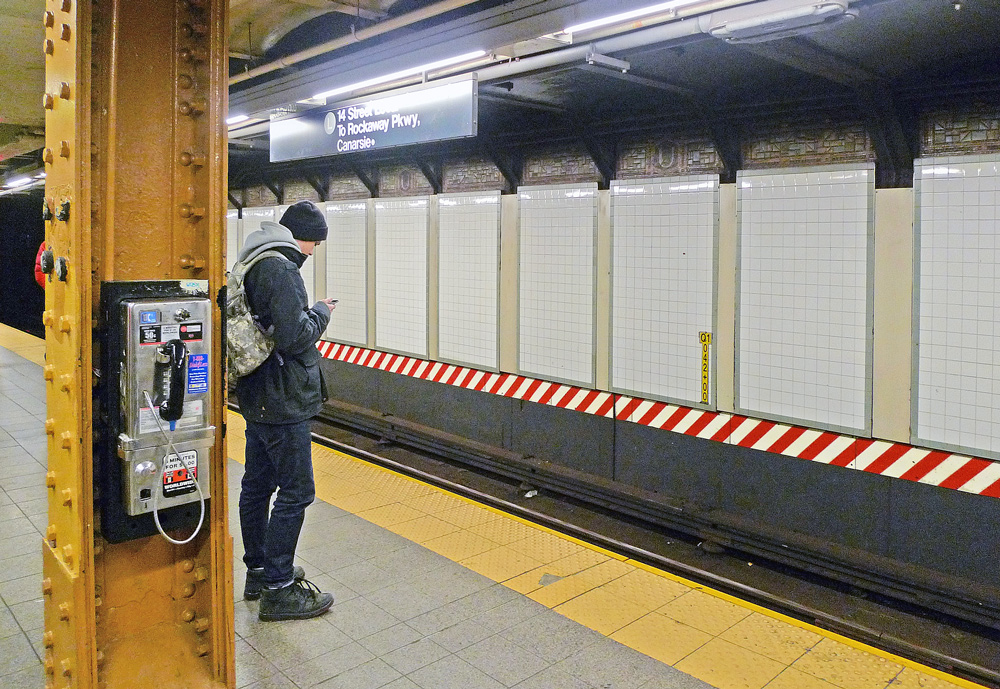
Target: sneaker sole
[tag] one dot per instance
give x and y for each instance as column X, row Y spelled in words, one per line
column 278, row 617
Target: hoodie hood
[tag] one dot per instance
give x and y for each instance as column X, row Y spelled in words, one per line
column 271, row 235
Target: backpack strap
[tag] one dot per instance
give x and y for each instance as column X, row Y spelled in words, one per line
column 241, row 269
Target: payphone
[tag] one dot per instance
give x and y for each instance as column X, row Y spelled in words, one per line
column 156, row 397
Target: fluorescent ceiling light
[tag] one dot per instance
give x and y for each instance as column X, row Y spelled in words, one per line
column 19, row 182
column 402, row 73
column 236, row 119
column 40, row 175
column 625, row 16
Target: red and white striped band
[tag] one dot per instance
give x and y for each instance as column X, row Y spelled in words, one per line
column 895, row 460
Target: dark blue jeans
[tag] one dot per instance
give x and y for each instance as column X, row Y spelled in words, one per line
column 278, row 457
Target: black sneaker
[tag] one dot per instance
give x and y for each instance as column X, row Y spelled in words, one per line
column 299, row 600
column 255, row 581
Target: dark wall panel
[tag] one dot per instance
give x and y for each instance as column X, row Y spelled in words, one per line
column 570, row 439
column 946, row 530
column 474, row 415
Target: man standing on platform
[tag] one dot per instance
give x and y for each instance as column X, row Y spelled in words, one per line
column 277, row 400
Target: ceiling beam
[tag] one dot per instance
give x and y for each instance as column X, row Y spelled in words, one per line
column 605, row 157
column 277, row 189
column 639, row 80
column 434, row 173
column 892, row 147
column 805, row 56
column 510, row 164
column 320, row 184
column 521, row 102
column 370, row 181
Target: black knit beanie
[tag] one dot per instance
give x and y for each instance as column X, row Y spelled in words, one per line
column 306, row 221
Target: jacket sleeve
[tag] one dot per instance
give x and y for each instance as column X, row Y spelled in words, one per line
column 296, row 327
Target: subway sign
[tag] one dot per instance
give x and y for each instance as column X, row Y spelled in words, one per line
column 418, row 115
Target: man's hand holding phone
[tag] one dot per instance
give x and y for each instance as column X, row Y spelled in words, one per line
column 331, row 303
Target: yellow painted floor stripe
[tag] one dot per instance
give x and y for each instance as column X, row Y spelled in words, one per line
column 22, row 344
column 725, row 641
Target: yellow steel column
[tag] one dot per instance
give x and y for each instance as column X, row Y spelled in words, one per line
column 136, row 161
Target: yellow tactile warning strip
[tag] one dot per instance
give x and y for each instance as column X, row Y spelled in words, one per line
column 22, row 344
column 724, row 641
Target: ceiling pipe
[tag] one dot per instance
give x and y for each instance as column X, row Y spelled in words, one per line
column 700, row 20
column 355, row 37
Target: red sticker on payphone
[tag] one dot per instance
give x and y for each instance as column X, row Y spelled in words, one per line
column 180, row 473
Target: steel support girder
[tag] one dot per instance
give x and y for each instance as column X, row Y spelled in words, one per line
column 137, row 149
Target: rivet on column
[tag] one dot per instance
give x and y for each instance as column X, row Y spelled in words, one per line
column 188, row 590
column 48, row 101
column 187, row 565
column 49, row 639
column 47, row 155
column 49, row 372
column 49, row 47
column 187, row 158
column 186, row 210
column 47, row 586
column 65, row 33
column 201, row 573
column 50, row 535
column 65, row 91
column 64, row 149
column 50, row 426
column 67, row 439
column 50, row 20
column 50, row 479
column 67, row 497
column 65, row 323
column 65, row 384
column 48, row 318
column 67, row 553
column 187, row 615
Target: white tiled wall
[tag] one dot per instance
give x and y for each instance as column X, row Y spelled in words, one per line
column 347, row 271
column 957, row 400
column 308, row 269
column 557, row 282
column 253, row 217
column 468, row 282
column 401, row 228
column 233, row 239
column 662, row 285
column 804, row 293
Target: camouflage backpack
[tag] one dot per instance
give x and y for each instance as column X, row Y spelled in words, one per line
column 248, row 344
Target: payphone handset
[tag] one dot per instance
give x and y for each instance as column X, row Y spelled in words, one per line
column 165, row 436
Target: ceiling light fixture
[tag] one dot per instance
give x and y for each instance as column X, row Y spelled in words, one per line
column 18, row 182
column 458, row 59
column 626, row 16
column 236, row 119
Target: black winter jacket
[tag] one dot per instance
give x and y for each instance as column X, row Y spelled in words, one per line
column 288, row 387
